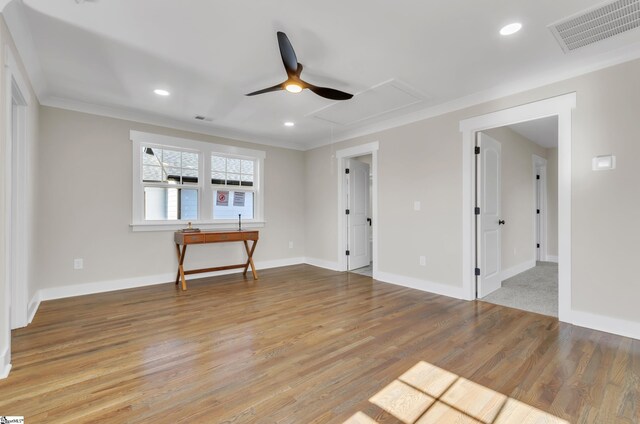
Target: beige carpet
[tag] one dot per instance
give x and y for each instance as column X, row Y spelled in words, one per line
column 535, row 290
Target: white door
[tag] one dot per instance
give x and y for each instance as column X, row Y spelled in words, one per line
column 489, row 221
column 357, row 225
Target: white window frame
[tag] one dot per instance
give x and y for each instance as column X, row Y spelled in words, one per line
column 205, row 187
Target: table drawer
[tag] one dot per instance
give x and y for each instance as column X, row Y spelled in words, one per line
column 193, row 238
column 212, row 238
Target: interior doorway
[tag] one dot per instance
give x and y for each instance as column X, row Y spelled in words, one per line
column 515, row 244
column 359, row 181
column 357, row 209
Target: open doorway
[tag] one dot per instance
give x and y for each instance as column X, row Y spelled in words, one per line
column 517, row 215
column 357, row 209
column 359, row 182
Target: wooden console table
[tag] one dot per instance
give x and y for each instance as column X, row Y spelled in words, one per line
column 185, row 239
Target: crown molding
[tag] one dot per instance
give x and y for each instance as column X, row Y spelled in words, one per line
column 161, row 121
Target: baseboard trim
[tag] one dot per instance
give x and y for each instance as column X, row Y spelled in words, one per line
column 552, row 259
column 5, row 365
column 607, row 324
column 130, row 283
column 321, row 263
column 515, row 270
column 34, row 304
column 419, row 284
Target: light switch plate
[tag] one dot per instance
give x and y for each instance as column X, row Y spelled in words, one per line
column 416, row 205
column 604, row 163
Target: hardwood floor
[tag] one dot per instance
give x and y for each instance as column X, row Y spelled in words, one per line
column 307, row 345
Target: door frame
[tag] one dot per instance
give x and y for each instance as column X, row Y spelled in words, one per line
column 342, row 156
column 16, row 230
column 562, row 107
column 540, row 164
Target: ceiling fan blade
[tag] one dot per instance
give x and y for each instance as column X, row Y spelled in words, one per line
column 267, row 90
column 289, row 58
column 329, row 93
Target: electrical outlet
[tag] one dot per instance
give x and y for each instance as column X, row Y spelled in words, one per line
column 290, row 245
column 78, row 263
column 416, row 205
column 423, row 261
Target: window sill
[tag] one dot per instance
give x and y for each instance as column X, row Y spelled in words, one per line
column 175, row 226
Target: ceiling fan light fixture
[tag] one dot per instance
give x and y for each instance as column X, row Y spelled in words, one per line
column 293, row 88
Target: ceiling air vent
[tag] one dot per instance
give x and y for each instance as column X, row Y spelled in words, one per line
column 202, row 118
column 597, row 24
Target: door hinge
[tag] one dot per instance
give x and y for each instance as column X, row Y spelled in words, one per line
column 538, row 245
column 347, row 211
column 346, row 171
column 347, row 253
column 537, row 210
column 477, row 150
column 477, row 211
column 537, row 177
column 477, row 271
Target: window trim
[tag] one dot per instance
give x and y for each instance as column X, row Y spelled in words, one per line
column 204, row 186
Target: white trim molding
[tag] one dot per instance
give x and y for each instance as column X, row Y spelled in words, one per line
column 5, row 363
column 321, row 263
column 341, row 156
column 456, row 292
column 34, row 304
column 607, row 324
column 150, row 280
column 517, row 269
column 561, row 106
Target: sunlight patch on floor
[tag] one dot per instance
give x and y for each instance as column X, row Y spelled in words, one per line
column 427, row 394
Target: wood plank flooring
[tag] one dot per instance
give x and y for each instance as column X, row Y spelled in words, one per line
column 307, row 345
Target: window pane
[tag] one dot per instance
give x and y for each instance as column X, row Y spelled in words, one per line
column 151, row 173
column 188, row 204
column 161, row 203
column 160, row 165
column 218, row 164
column 151, row 156
column 228, row 204
column 247, row 167
column 233, row 165
column 189, row 160
column 171, row 158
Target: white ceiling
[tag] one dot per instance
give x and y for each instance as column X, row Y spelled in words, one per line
column 107, row 56
column 543, row 132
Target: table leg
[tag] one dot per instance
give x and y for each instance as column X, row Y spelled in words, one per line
column 178, row 273
column 250, row 259
column 181, row 268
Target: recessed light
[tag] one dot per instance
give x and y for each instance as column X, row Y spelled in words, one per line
column 161, row 92
column 293, row 88
column 511, row 28
column 289, row 124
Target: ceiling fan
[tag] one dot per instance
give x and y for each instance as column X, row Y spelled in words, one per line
column 294, row 84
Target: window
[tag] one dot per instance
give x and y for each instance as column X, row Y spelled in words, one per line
column 170, row 187
column 232, row 173
column 170, row 179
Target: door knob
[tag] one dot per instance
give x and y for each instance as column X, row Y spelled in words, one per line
column 501, row 222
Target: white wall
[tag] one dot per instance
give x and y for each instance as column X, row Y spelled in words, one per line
column 423, row 161
column 86, row 202
column 6, row 42
column 518, row 239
